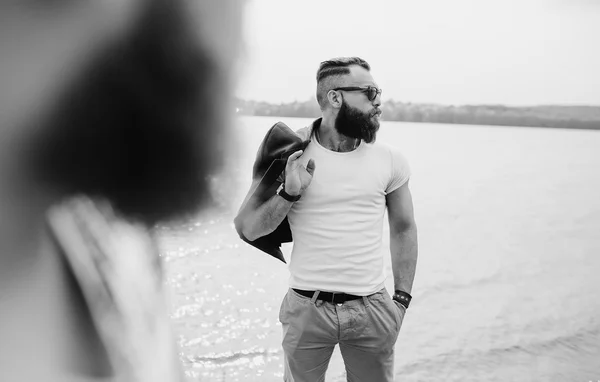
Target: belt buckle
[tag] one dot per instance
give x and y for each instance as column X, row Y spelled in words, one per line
column 333, row 298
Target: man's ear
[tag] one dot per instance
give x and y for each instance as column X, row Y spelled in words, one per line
column 334, row 98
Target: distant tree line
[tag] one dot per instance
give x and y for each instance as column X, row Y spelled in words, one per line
column 570, row 117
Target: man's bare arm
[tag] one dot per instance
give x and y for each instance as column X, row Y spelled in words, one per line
column 403, row 237
column 260, row 220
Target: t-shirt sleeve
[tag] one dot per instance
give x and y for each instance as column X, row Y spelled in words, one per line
column 400, row 170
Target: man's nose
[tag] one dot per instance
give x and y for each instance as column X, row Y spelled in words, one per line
column 377, row 100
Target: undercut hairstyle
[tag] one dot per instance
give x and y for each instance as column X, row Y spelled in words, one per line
column 331, row 70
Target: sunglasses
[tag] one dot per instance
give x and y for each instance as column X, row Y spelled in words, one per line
column 370, row 91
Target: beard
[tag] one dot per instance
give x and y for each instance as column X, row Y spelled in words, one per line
column 143, row 125
column 354, row 123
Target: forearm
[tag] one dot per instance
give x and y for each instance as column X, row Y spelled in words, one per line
column 265, row 218
column 404, row 250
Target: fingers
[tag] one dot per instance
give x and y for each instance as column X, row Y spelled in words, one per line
column 294, row 156
column 310, row 166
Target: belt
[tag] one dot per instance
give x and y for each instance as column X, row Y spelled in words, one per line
column 334, row 298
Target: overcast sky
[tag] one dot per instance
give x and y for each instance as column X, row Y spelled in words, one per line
column 516, row 52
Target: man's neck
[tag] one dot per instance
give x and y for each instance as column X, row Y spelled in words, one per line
column 329, row 137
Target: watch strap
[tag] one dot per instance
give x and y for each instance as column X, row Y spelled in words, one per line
column 402, row 297
column 286, row 196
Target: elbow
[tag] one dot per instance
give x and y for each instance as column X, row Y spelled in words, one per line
column 405, row 226
column 252, row 232
column 404, row 232
column 249, row 235
column 244, row 229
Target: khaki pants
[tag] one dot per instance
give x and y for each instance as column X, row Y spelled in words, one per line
column 366, row 330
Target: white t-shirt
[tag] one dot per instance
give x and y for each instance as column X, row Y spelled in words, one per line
column 337, row 225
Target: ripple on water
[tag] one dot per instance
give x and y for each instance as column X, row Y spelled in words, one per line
column 251, row 357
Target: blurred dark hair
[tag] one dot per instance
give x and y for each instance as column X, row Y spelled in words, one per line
column 141, row 126
column 334, row 67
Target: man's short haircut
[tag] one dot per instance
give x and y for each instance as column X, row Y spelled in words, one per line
column 330, row 70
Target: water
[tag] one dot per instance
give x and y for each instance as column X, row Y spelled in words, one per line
column 507, row 285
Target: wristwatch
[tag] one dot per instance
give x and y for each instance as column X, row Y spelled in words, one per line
column 402, row 297
column 290, row 198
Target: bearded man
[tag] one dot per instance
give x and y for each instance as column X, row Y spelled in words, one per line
column 334, row 195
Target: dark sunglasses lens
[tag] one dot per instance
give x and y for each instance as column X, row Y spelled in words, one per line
column 371, row 93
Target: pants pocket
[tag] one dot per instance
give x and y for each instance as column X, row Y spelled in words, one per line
column 291, row 304
column 401, row 312
column 396, row 309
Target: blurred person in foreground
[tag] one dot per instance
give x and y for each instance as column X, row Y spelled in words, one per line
column 112, row 118
column 334, row 194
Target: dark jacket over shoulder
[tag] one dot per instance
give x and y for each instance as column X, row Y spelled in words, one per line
column 279, row 143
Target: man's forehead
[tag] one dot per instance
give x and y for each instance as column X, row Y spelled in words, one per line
column 358, row 76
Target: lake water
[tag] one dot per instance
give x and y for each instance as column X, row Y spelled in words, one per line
column 508, row 278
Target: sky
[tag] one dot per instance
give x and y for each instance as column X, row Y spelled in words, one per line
column 512, row 52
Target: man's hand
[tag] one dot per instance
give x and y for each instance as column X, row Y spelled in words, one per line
column 298, row 177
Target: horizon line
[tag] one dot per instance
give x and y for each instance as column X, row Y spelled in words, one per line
column 438, row 103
